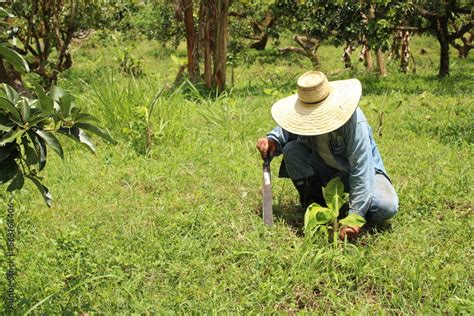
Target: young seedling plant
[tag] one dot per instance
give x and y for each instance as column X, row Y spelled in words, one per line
column 319, row 221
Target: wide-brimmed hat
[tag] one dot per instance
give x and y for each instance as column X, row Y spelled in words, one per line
column 319, row 107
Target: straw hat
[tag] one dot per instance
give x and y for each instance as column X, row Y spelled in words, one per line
column 319, row 107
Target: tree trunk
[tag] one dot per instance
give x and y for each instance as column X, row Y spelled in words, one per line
column 205, row 38
column 315, row 59
column 406, row 53
column 261, row 43
column 443, row 38
column 381, row 63
column 346, row 56
column 193, row 58
column 366, row 57
column 463, row 50
column 220, row 53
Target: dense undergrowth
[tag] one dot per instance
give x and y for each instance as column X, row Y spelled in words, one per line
column 179, row 229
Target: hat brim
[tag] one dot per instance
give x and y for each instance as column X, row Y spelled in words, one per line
column 310, row 119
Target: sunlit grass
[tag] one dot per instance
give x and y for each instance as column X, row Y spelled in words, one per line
column 179, row 230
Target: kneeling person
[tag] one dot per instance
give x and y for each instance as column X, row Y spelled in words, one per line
column 322, row 133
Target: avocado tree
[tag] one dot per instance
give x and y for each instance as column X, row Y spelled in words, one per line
column 28, row 129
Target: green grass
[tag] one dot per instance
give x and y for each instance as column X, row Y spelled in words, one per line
column 180, row 230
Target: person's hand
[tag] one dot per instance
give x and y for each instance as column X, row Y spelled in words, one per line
column 350, row 232
column 266, row 146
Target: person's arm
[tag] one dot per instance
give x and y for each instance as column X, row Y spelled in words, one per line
column 280, row 137
column 361, row 168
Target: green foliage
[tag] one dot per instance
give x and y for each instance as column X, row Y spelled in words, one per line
column 318, row 220
column 178, row 231
column 129, row 64
column 28, row 127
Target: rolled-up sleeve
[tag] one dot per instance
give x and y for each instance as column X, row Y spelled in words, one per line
column 361, row 174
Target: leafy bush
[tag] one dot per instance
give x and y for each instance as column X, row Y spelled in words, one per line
column 28, row 127
column 129, row 64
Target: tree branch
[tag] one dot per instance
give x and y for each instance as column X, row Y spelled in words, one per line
column 465, row 28
column 293, row 49
column 425, row 13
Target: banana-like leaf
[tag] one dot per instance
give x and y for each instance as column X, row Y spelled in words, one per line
column 11, row 136
column 51, row 141
column 320, row 215
column 43, row 190
column 354, row 220
column 80, row 136
column 324, row 216
column 14, row 59
column 17, row 182
column 334, row 194
column 8, row 106
column 96, row 130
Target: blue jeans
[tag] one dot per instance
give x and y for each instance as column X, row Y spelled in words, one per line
column 300, row 162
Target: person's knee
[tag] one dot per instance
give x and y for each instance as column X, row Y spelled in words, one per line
column 383, row 210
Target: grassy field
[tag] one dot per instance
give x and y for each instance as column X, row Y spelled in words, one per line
column 179, row 230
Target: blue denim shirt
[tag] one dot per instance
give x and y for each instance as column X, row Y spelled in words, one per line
column 354, row 148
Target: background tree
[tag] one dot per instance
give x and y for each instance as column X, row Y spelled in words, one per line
column 42, row 31
column 440, row 14
column 207, row 37
column 312, row 22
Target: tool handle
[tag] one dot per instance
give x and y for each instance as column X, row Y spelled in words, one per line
column 267, row 160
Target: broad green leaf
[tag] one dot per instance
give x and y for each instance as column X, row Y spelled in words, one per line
column 11, row 93
column 8, row 170
column 84, row 117
column 40, row 148
column 5, row 128
column 55, row 93
column 5, row 151
column 334, row 194
column 80, row 136
column 10, row 108
column 11, row 136
column 96, row 130
column 66, row 103
column 311, row 212
column 47, row 103
column 354, row 220
column 51, row 141
column 43, row 190
column 17, row 182
column 324, row 216
column 25, row 110
column 39, row 119
column 32, row 157
column 15, row 59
